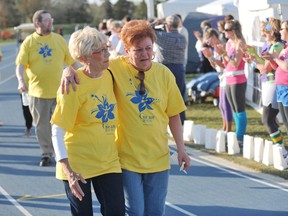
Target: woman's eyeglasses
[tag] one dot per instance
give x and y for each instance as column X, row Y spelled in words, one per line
column 267, row 31
column 141, row 87
column 227, row 30
column 141, row 50
column 208, row 40
column 103, row 51
column 47, row 20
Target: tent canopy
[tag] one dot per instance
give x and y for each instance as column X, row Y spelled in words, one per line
column 220, row 7
column 182, row 7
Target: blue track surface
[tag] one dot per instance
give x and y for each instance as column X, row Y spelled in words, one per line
column 212, row 186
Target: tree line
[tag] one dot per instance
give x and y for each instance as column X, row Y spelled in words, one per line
column 15, row 12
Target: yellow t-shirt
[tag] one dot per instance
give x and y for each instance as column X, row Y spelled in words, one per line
column 44, row 58
column 89, row 116
column 141, row 133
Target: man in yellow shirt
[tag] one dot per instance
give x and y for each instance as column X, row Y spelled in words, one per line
column 41, row 56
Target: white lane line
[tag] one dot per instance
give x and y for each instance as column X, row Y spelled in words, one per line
column 176, row 207
column 179, row 209
column 13, row 55
column 14, row 202
column 7, row 79
column 7, row 65
column 236, row 173
column 228, row 171
column 241, row 175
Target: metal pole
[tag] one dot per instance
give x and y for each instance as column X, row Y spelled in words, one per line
column 3, row 16
column 150, row 9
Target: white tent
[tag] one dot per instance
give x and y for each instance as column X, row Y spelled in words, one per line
column 182, row 7
column 220, row 7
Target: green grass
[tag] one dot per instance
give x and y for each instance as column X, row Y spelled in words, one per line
column 207, row 114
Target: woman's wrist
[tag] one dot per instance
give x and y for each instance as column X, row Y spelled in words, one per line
column 181, row 149
column 223, row 54
column 211, row 58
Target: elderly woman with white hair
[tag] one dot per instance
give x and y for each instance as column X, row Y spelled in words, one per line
column 83, row 130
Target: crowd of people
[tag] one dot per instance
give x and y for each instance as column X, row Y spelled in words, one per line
column 229, row 52
column 105, row 117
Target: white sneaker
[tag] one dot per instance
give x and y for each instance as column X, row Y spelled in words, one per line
column 286, row 161
column 285, row 155
column 284, row 151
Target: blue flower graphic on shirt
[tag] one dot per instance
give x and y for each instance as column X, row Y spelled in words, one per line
column 45, row 51
column 105, row 110
column 143, row 101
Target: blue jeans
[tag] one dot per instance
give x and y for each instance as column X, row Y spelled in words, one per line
column 109, row 192
column 145, row 194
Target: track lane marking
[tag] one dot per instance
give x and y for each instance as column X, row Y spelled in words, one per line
column 14, row 202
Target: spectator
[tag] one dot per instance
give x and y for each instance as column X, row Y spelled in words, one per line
column 280, row 64
column 120, row 46
column 284, row 31
column 41, row 56
column 228, row 17
column 103, row 28
column 204, row 63
column 60, row 30
column 115, row 28
column 236, row 81
column 211, row 37
column 268, row 86
column 76, row 27
column 182, row 30
column 172, row 45
column 220, row 27
column 88, row 150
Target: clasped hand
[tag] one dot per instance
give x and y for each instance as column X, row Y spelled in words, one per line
column 69, row 77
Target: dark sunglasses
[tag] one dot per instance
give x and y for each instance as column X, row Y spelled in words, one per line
column 141, row 87
column 228, row 30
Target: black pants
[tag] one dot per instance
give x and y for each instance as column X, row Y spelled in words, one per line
column 269, row 119
column 27, row 115
column 109, row 192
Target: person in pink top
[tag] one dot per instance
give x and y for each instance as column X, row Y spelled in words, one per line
column 280, row 64
column 236, row 81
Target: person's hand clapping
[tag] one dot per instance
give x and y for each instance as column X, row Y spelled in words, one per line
column 207, row 52
column 220, row 49
column 268, row 56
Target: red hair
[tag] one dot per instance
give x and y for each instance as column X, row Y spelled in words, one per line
column 136, row 30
